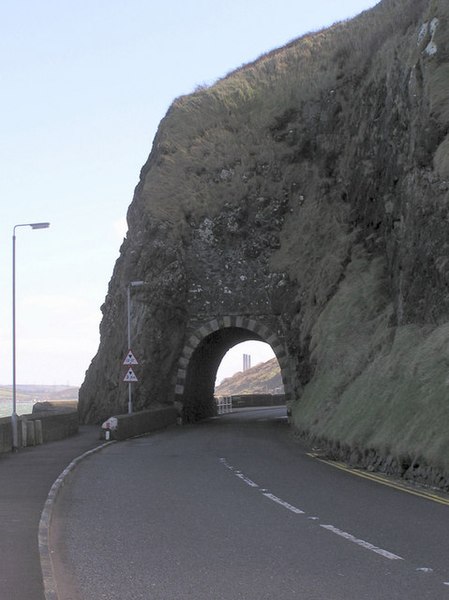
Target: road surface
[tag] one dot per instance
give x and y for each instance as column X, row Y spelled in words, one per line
column 234, row 508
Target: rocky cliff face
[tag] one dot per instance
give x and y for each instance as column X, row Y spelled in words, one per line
column 302, row 200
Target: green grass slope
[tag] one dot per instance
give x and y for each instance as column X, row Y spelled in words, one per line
column 264, row 378
column 377, row 386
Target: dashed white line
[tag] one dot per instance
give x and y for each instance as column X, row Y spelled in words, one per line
column 347, row 536
column 298, row 511
column 362, row 543
column 264, row 491
column 247, row 480
column 286, row 505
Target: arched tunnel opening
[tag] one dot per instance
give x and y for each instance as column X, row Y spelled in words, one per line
column 198, row 397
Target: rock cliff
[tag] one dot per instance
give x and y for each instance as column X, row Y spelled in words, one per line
column 302, row 200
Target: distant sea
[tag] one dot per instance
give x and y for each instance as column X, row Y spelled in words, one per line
column 24, row 407
column 28, row 395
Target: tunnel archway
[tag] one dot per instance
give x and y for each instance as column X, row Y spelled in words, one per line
column 203, row 353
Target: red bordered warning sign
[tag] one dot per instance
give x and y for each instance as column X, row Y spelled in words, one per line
column 130, row 359
column 130, row 376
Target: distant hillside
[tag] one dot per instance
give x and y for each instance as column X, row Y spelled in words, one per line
column 264, row 378
column 40, row 393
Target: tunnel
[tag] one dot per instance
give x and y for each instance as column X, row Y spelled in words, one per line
column 203, row 353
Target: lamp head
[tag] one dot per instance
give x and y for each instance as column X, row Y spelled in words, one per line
column 39, row 225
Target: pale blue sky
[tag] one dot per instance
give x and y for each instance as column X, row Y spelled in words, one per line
column 84, row 85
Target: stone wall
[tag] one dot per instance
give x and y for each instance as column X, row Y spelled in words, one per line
column 39, row 428
column 5, row 435
column 250, row 400
column 406, row 467
column 143, row 422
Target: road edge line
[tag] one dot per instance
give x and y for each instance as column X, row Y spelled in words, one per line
column 400, row 486
column 50, row 587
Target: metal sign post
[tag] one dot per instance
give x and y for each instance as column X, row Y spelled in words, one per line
column 130, row 377
column 130, row 358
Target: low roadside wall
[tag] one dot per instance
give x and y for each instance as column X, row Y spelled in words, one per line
column 246, row 400
column 143, row 422
column 5, row 435
column 56, row 426
column 38, row 428
column 403, row 467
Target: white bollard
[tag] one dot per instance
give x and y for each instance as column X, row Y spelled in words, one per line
column 31, row 438
column 23, row 425
column 38, row 432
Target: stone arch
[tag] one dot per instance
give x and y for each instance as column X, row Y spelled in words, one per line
column 206, row 346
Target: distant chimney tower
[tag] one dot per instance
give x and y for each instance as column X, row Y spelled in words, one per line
column 246, row 362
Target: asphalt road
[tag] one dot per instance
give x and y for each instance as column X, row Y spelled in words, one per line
column 233, row 509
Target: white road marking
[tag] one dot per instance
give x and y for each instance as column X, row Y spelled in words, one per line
column 298, row 511
column 286, row 505
column 247, row 480
column 226, row 464
column 362, row 543
column 239, row 474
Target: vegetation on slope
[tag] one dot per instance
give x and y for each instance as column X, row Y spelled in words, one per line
column 264, row 378
column 376, row 386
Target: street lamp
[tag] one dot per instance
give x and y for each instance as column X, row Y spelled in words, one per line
column 130, row 285
column 15, row 440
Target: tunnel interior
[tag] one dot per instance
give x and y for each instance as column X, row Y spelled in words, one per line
column 198, row 401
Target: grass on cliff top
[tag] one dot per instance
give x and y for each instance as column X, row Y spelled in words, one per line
column 303, row 69
column 227, row 125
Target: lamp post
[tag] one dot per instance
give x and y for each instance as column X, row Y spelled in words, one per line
column 130, row 285
column 15, row 440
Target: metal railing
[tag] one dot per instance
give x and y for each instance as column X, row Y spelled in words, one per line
column 224, row 404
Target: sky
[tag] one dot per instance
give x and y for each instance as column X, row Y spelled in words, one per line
column 84, row 85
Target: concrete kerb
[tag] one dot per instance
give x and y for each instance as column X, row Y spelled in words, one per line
column 50, row 587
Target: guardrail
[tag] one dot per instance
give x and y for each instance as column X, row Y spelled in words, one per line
column 224, row 404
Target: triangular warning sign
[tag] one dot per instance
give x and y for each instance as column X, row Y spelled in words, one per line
column 130, row 376
column 130, row 359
